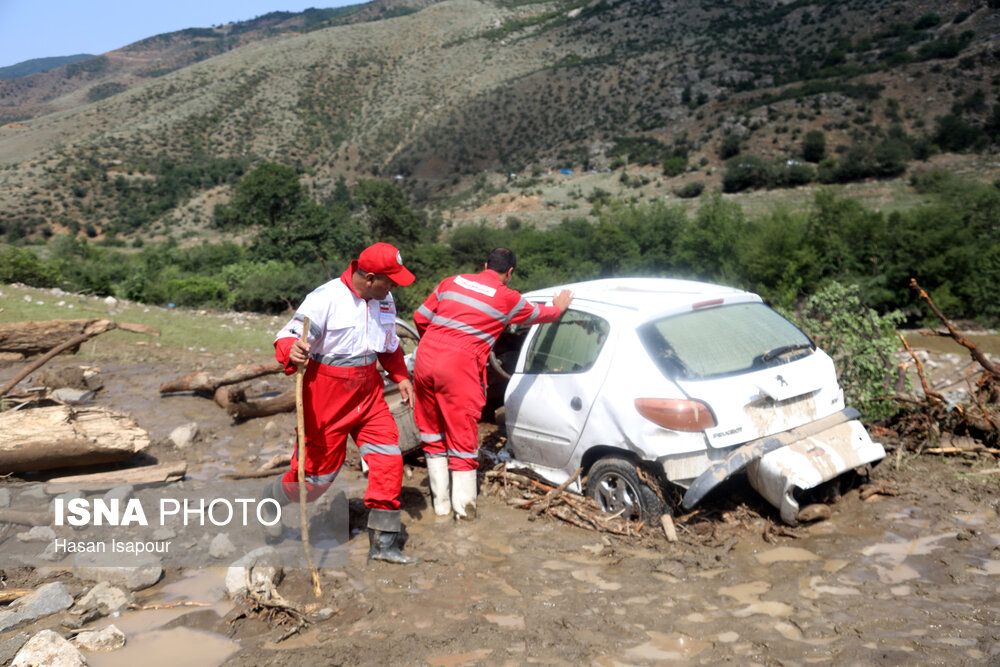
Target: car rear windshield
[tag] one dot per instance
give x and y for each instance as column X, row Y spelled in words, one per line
column 722, row 341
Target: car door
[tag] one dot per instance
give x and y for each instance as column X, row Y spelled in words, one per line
column 559, row 373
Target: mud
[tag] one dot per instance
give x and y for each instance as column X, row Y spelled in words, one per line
column 905, row 579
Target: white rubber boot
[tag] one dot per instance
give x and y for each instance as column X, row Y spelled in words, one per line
column 463, row 494
column 437, row 472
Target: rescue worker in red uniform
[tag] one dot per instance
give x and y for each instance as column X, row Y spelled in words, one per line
column 352, row 322
column 458, row 324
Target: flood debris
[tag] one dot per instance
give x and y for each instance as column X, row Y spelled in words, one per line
column 933, row 423
column 53, row 337
column 518, row 489
column 64, row 436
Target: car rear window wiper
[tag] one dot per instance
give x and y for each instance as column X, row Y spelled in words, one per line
column 778, row 351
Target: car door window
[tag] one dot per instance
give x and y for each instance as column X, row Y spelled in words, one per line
column 569, row 345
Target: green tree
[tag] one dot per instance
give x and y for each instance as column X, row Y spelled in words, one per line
column 268, row 195
column 814, row 146
column 387, row 214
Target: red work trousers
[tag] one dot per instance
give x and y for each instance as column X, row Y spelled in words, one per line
column 341, row 401
column 450, row 394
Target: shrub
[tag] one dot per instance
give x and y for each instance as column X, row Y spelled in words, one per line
column 861, row 343
column 690, row 190
column 729, row 147
column 674, row 166
column 745, row 172
column 814, row 146
column 19, row 265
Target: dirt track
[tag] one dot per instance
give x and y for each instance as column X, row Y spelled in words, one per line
column 905, row 579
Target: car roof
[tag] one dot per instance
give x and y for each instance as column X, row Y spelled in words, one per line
column 645, row 297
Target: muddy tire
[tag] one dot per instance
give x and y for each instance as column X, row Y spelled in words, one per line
column 614, row 483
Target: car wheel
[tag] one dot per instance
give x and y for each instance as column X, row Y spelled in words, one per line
column 614, row 483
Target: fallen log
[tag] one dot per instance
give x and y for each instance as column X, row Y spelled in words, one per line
column 31, row 338
column 62, row 436
column 52, row 336
column 237, row 407
column 102, row 481
column 206, row 384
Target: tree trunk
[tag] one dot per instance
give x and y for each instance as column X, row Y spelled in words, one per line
column 206, row 384
column 61, row 436
column 30, row 338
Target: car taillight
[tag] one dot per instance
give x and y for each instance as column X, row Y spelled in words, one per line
column 677, row 414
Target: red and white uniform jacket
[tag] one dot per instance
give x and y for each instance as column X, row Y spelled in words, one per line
column 345, row 330
column 475, row 308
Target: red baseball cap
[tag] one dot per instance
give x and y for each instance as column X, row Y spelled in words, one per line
column 385, row 258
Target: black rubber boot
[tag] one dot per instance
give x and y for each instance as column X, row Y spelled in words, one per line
column 273, row 491
column 383, row 537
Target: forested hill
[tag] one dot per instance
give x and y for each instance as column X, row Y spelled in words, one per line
column 446, row 91
column 605, row 137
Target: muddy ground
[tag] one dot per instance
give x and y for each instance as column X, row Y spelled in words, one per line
column 912, row 578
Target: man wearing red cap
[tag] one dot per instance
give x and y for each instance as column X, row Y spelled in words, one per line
column 352, row 322
column 459, row 324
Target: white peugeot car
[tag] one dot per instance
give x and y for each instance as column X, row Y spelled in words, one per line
column 650, row 381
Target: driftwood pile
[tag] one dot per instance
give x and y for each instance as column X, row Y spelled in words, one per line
column 932, row 424
column 522, row 491
column 41, row 432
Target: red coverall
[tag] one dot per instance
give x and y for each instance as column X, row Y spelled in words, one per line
column 458, row 324
column 342, row 390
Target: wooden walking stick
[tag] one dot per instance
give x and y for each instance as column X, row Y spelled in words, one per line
column 300, row 412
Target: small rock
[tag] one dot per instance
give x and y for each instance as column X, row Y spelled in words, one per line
column 133, row 578
column 10, row 647
column 110, row 301
column 38, row 534
column 45, row 600
column 265, row 570
column 49, row 649
column 815, row 512
column 71, row 395
column 272, row 430
column 221, row 546
column 32, row 494
column 103, row 597
column 324, row 613
column 120, row 493
column 108, row 639
column 163, row 534
column 184, row 436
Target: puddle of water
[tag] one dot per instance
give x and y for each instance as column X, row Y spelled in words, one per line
column 785, row 554
column 590, row 576
column 814, row 588
column 990, row 567
column 167, row 648
column 674, row 646
column 893, row 569
column 749, row 594
column 511, row 622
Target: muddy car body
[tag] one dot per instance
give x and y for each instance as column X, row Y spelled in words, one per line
column 647, row 383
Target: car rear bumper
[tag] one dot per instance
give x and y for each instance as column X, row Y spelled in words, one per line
column 802, row 457
column 809, row 462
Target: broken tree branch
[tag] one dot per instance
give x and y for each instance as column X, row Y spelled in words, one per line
column 932, row 395
column 954, row 334
column 206, row 384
